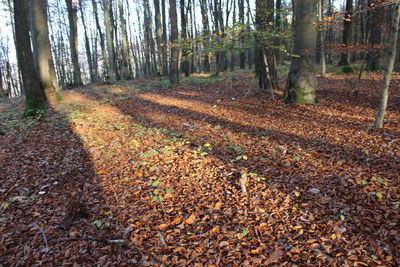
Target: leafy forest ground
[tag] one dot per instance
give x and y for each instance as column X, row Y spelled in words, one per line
column 213, row 172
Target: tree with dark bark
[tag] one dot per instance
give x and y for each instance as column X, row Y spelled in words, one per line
column 35, row 101
column 43, row 58
column 72, row 8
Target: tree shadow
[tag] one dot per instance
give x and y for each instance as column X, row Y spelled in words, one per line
column 341, row 166
column 51, row 196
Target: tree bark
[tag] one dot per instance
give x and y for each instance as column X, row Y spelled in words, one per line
column 301, row 82
column 92, row 72
column 111, row 70
column 174, row 61
column 206, row 35
column 72, row 8
column 185, row 61
column 345, row 56
column 125, row 51
column 43, row 58
column 35, row 100
column 389, row 66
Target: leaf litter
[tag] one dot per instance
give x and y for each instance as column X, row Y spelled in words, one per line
column 203, row 174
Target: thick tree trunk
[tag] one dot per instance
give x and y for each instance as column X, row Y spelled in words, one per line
column 301, row 82
column 206, row 35
column 111, row 70
column 35, row 100
column 174, row 61
column 389, row 66
column 72, row 8
column 185, row 61
column 241, row 21
column 42, row 50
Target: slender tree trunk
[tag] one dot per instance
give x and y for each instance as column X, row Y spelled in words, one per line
column 125, row 51
column 110, row 48
column 301, row 82
column 174, row 61
column 185, row 62
column 389, row 66
column 157, row 16
column 322, row 37
column 35, row 100
column 164, row 38
column 265, row 58
column 72, row 8
column 241, row 21
column 101, row 36
column 87, row 46
column 43, row 58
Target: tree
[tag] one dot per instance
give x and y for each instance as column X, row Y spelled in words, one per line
column 266, row 61
column 44, row 63
column 125, row 52
column 35, row 100
column 206, row 35
column 345, row 56
column 389, row 66
column 174, row 62
column 375, row 28
column 185, row 61
column 72, row 8
column 92, row 71
column 301, row 81
column 110, row 49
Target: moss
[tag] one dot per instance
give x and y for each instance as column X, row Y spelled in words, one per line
column 347, row 69
column 34, row 110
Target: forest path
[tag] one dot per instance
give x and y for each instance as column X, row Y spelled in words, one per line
column 137, row 173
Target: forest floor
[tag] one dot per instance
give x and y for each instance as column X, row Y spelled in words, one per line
column 210, row 173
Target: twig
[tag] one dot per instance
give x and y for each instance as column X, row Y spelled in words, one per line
column 66, row 239
column 44, row 237
column 162, row 238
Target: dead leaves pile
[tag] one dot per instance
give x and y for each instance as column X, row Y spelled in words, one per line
column 152, row 178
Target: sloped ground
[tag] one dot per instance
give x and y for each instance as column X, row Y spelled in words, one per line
column 209, row 173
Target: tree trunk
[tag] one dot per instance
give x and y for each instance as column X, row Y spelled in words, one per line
column 72, row 8
column 241, row 21
column 375, row 25
column 101, row 36
column 35, row 100
column 164, row 38
column 174, row 61
column 322, row 37
column 206, row 35
column 157, row 16
column 185, row 61
column 125, row 52
column 110, row 48
column 389, row 66
column 345, row 56
column 43, row 58
column 301, row 82
column 265, row 58
column 87, row 46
